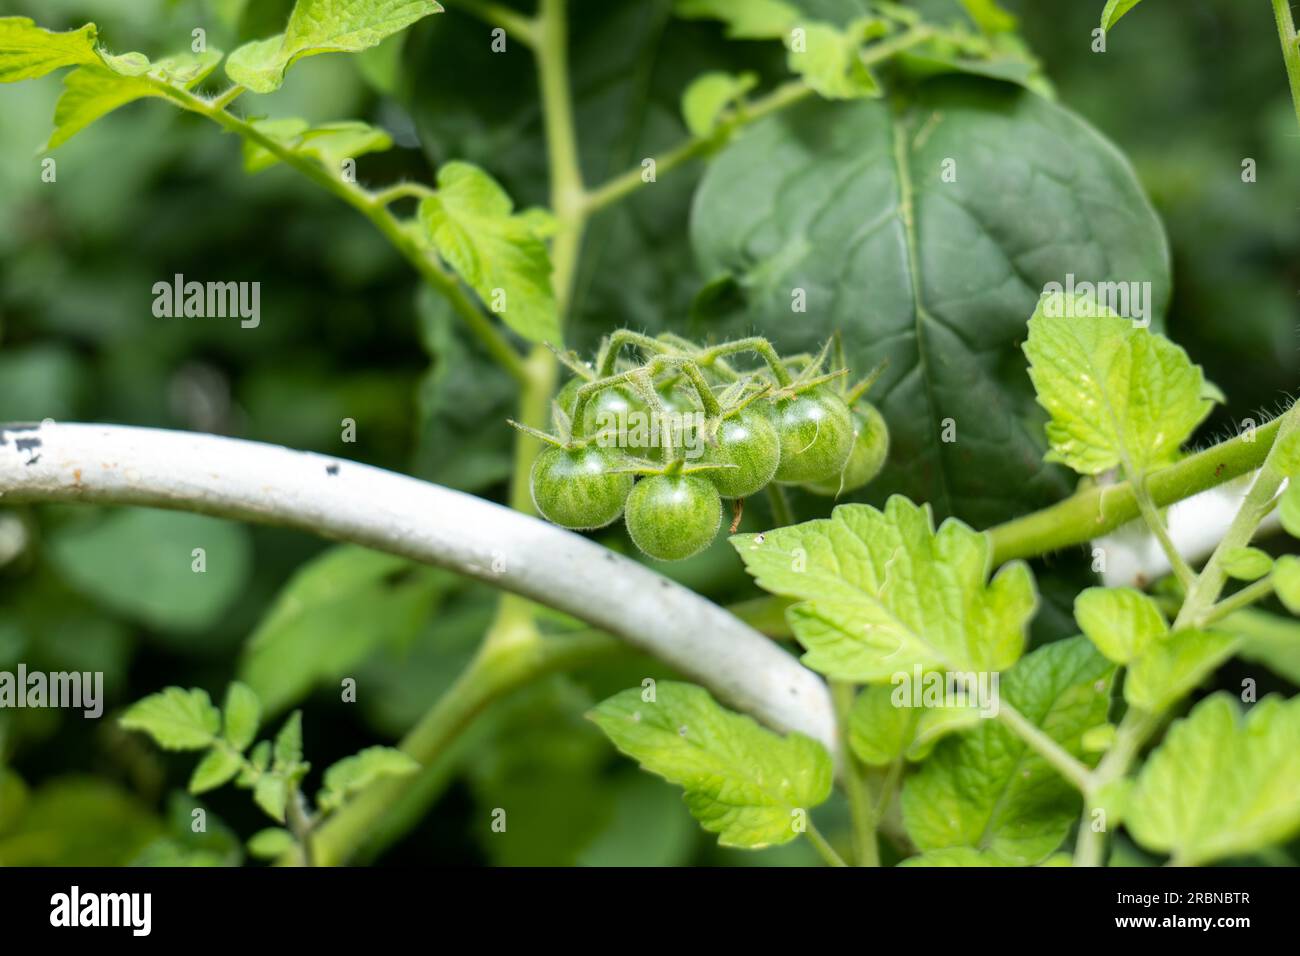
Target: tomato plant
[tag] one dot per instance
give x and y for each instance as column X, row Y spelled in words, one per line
column 579, row 488
column 995, row 591
column 672, row 517
column 747, row 440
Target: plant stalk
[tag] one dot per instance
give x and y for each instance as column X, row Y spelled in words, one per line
column 1155, row 522
column 787, row 94
column 1286, row 32
column 782, row 514
column 300, row 825
column 516, row 25
column 498, row 670
column 1255, row 508
column 1098, row 510
column 1061, row 759
column 1137, row 725
column 365, row 203
column 1252, row 593
column 866, row 851
column 823, row 846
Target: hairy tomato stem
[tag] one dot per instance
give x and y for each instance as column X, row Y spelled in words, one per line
column 1286, row 32
column 866, row 850
column 364, row 202
column 1098, row 510
column 1138, row 725
column 494, row 673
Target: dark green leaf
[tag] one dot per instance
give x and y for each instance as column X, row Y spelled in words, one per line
column 985, row 789
column 141, row 563
column 848, row 203
column 331, row 615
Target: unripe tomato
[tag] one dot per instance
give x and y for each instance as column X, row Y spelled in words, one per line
column 617, row 410
column 567, row 396
column 680, row 408
column 680, row 399
column 748, row 440
column 672, row 517
column 870, row 449
column 579, row 488
column 816, row 434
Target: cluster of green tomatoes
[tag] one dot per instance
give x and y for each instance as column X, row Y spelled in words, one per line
column 662, row 439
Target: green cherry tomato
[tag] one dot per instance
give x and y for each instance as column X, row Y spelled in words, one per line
column 579, row 488
column 672, row 517
column 608, row 408
column 748, row 440
column 678, row 398
column 620, row 413
column 870, row 449
column 816, row 433
column 680, row 408
column 567, row 396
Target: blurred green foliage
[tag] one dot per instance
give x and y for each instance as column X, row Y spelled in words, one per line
column 1189, row 90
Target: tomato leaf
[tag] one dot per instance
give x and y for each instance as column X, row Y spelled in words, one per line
column 849, row 204
column 1286, row 580
column 176, row 719
column 141, row 563
column 1114, row 10
column 883, row 592
column 219, row 765
column 1246, row 564
column 1121, row 622
column 985, row 789
column 1117, row 394
column 499, row 254
column 353, row 774
column 989, row 17
column 334, row 612
column 1285, row 456
column 743, row 782
column 1172, row 666
column 271, row 793
column 330, row 143
column 744, row 19
column 270, row 843
column 1269, row 639
column 91, row 92
column 827, row 58
column 242, row 715
column 881, row 731
column 1220, row 785
column 28, row 51
column 288, row 744
column 1288, row 509
column 322, row 26
column 709, row 96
